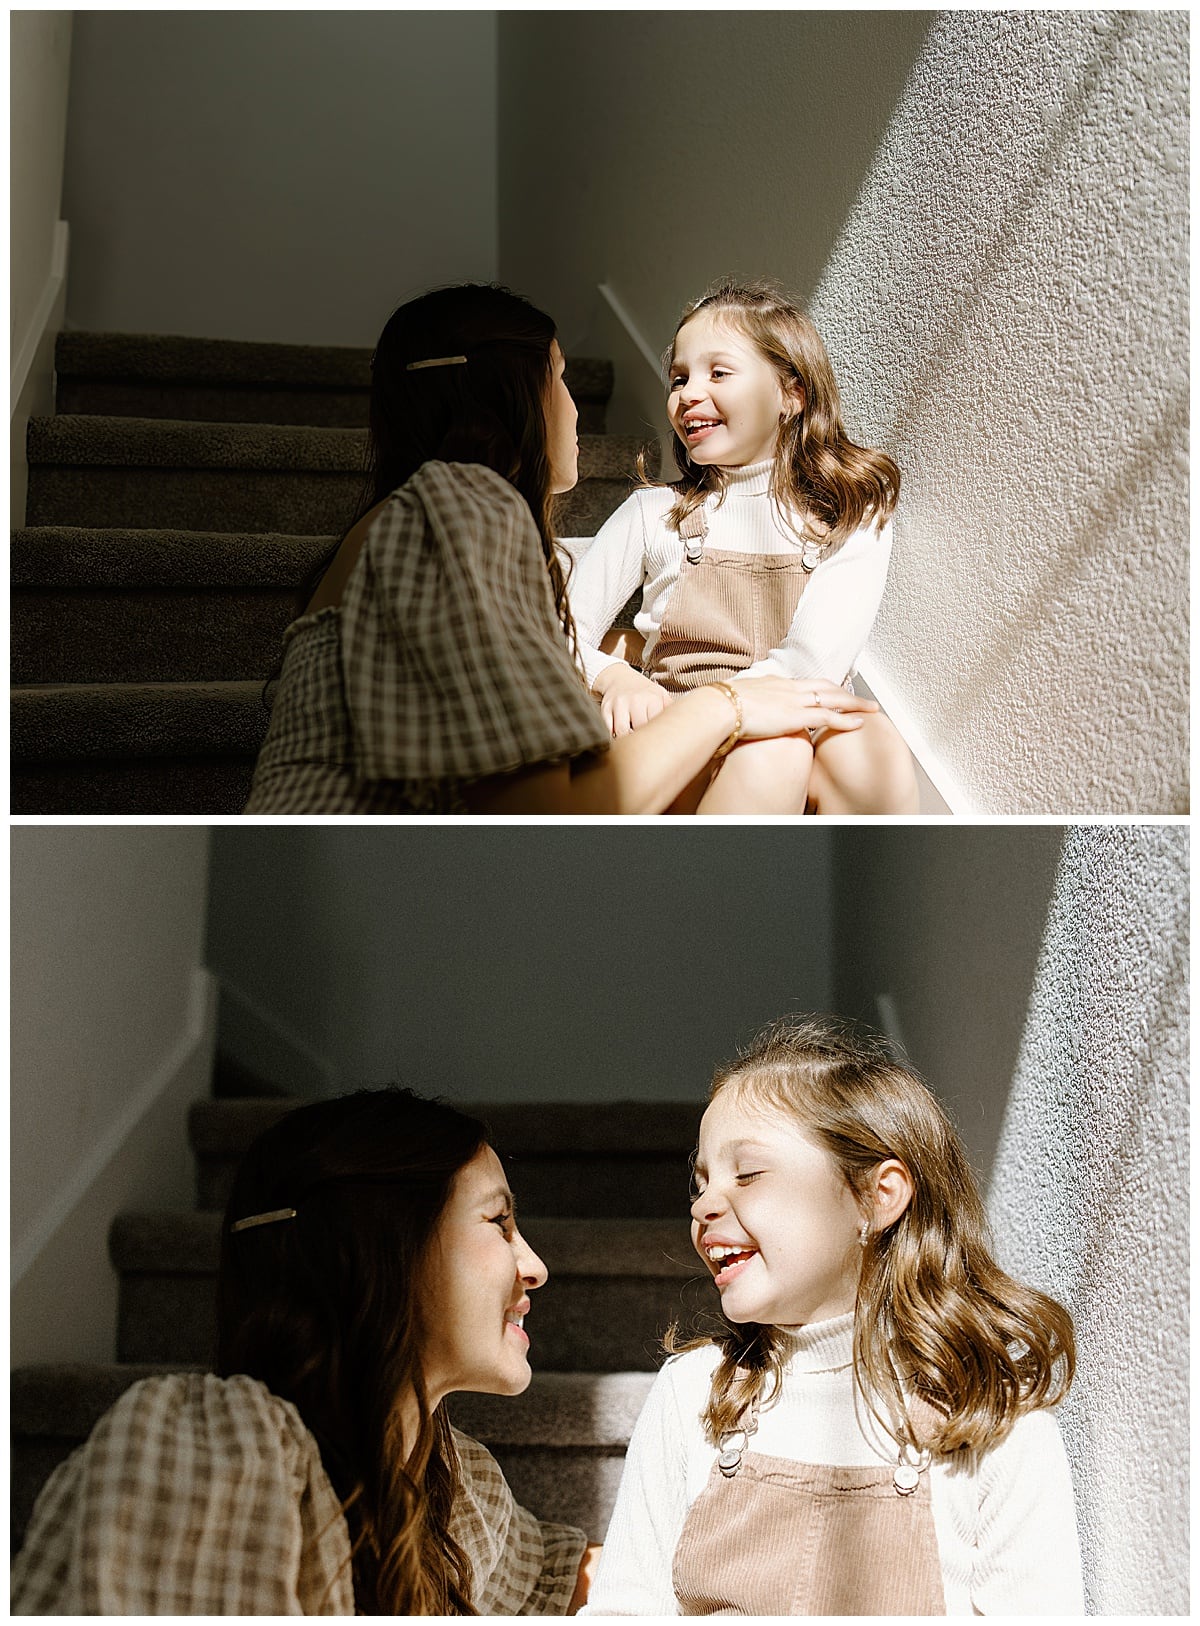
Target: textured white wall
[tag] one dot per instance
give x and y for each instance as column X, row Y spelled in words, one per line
column 1008, row 310
column 987, row 212
column 111, row 1038
column 513, row 964
column 279, row 175
column 1089, row 1198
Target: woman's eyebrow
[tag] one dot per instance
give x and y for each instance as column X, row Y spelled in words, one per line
column 499, row 1194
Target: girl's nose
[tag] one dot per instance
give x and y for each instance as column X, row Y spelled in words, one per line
column 707, row 1206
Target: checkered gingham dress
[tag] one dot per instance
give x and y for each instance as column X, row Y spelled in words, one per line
column 199, row 1495
column 444, row 663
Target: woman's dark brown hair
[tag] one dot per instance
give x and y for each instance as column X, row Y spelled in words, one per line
column 326, row 1310
column 488, row 409
column 935, row 1316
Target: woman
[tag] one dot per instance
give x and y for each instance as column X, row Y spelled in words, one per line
column 433, row 669
column 370, row 1265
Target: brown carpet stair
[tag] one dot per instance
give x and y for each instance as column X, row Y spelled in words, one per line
column 177, row 503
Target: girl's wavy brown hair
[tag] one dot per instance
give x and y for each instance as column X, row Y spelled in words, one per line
column 327, row 1310
column 936, row 1319
column 818, row 471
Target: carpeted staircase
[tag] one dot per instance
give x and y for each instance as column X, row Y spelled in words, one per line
column 603, row 1199
column 177, row 503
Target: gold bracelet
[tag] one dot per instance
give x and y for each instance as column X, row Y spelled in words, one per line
column 735, row 701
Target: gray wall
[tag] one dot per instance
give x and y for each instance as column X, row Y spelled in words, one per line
column 947, row 924
column 518, row 964
column 279, row 175
column 39, row 72
column 987, row 213
column 111, row 1039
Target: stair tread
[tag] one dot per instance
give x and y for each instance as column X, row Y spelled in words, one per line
column 77, row 557
column 181, row 1242
column 527, row 1128
column 87, row 440
column 558, row 1409
column 53, row 722
column 179, row 358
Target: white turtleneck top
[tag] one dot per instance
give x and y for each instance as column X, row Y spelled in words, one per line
column 636, row 548
column 1006, row 1532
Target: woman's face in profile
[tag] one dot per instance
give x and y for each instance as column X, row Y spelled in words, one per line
column 477, row 1277
column 562, row 418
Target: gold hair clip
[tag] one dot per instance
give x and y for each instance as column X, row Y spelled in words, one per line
column 437, row 361
column 263, row 1219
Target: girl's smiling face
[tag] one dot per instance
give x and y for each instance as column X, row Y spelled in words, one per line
column 773, row 1218
column 725, row 400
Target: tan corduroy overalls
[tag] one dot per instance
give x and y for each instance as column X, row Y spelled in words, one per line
column 768, row 1536
column 727, row 610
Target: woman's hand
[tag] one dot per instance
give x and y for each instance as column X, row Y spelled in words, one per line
column 627, row 699
column 780, row 705
column 587, row 1569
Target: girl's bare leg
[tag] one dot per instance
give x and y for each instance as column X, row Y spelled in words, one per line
column 869, row 770
column 762, row 776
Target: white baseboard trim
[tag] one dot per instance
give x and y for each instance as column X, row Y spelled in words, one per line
column 26, row 353
column 952, row 796
column 271, row 1036
column 197, row 1033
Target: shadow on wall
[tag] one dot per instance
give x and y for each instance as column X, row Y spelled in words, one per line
column 1089, row 1196
column 938, row 933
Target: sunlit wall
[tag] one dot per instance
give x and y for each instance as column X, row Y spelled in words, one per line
column 1089, row 1197
column 1008, row 309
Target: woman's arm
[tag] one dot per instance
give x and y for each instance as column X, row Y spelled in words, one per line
column 645, row 771
column 836, row 611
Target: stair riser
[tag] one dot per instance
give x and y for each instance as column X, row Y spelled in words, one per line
column 572, row 1188
column 169, row 785
column 293, row 502
column 578, row 1323
column 325, row 409
column 148, row 636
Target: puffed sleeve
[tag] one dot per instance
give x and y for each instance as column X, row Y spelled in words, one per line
column 521, row 1565
column 1027, row 1546
column 193, row 1495
column 454, row 664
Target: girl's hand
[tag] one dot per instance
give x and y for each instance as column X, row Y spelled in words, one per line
column 779, row 705
column 583, row 1582
column 627, row 699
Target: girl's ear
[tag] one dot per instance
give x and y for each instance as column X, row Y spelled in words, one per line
column 891, row 1191
column 797, row 400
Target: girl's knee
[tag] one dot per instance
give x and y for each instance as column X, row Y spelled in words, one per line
column 871, row 768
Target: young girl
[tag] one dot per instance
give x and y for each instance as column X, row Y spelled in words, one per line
column 869, row 1433
column 767, row 556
